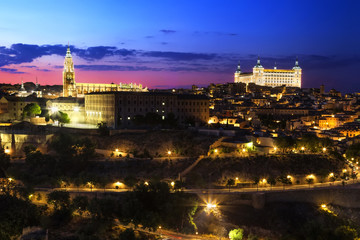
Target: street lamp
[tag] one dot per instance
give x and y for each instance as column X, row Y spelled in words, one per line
column 169, row 152
column 302, row 148
column 7, row 151
column 216, row 151
column 324, row 149
column 146, row 183
column 172, row 184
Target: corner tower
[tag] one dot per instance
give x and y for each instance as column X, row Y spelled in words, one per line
column 69, row 85
column 297, row 74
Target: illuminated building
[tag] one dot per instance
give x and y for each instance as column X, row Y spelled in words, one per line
column 270, row 77
column 73, row 89
column 118, row 109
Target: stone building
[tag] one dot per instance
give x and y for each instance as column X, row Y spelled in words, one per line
column 73, row 89
column 270, row 77
column 118, row 109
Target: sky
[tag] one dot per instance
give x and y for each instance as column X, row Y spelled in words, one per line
column 166, row 44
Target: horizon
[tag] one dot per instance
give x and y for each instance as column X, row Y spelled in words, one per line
column 157, row 46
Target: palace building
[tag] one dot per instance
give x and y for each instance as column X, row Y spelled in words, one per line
column 73, row 89
column 270, row 77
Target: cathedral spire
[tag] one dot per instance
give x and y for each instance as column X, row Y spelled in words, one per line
column 68, row 53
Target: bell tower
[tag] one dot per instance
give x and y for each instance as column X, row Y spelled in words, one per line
column 69, row 85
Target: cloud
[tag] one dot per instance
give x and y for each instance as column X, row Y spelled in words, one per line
column 167, row 31
column 11, row 70
column 179, row 56
column 115, row 68
column 149, row 36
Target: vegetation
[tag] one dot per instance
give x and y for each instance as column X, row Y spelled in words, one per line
column 236, row 234
column 31, row 110
column 61, row 117
column 254, row 168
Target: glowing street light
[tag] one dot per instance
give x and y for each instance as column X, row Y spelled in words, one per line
column 302, row 148
column 118, row 184
column 275, row 148
column 324, row 149
column 116, row 150
column 244, row 150
column 54, row 109
column 172, row 184
column 146, row 183
column 288, row 177
column 169, row 152
column 263, row 181
column 216, row 151
column 91, row 185
column 210, row 206
column 7, row 151
column 10, row 179
column 311, row 176
column 331, row 175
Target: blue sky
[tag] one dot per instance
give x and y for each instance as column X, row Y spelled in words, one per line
column 177, row 43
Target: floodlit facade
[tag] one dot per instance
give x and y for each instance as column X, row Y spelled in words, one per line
column 270, row 77
column 118, row 109
column 73, row 89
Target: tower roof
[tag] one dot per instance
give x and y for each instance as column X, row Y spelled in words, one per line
column 238, row 70
column 296, row 64
column 68, row 53
column 258, row 65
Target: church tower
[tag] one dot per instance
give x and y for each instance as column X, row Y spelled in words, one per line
column 69, row 85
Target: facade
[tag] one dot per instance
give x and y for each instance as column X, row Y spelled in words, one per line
column 73, row 89
column 73, row 107
column 12, row 108
column 270, row 77
column 118, row 109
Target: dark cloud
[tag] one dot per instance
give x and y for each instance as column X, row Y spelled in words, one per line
column 167, row 31
column 115, row 68
column 149, row 36
column 179, row 56
column 11, row 70
column 164, row 43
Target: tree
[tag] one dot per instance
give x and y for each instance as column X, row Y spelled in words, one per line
column 103, row 129
column 285, row 180
column 309, row 181
column 345, row 233
column 4, row 160
column 230, row 182
column 61, row 117
column 284, row 143
column 353, row 151
column 353, row 176
column 80, row 203
column 272, row 181
column 256, row 181
column 236, row 234
column 31, row 110
column 59, row 199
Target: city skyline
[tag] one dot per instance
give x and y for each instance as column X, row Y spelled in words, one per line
column 199, row 43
